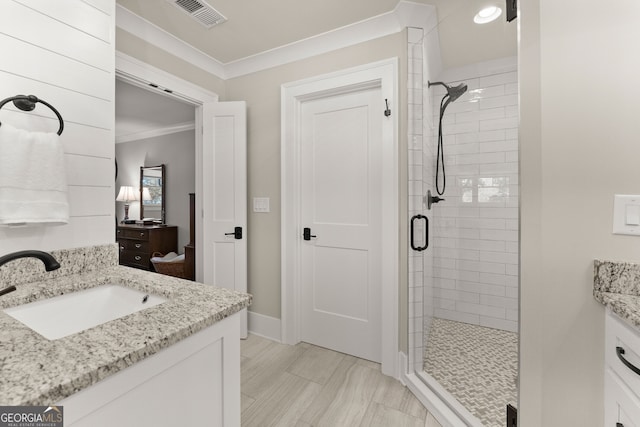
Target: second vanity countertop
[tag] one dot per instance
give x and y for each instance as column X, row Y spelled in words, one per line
column 37, row 371
column 617, row 286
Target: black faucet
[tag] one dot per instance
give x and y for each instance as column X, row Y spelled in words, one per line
column 49, row 261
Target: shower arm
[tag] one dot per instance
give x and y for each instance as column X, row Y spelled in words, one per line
column 436, row 83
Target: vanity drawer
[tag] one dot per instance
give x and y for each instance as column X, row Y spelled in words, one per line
column 622, row 407
column 620, row 335
column 133, row 234
column 133, row 245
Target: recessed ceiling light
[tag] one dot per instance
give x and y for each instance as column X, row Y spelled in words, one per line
column 487, row 14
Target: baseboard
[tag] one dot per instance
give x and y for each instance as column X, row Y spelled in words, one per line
column 403, row 363
column 265, row 326
column 430, row 400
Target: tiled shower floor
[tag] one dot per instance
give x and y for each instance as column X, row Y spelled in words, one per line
column 477, row 365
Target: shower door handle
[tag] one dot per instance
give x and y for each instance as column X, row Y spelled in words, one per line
column 426, row 232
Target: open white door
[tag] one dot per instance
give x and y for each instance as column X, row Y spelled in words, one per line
column 224, row 198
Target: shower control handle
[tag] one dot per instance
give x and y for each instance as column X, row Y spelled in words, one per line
column 432, row 199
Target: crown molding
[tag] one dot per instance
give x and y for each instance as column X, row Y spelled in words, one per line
column 154, row 35
column 152, row 133
column 406, row 14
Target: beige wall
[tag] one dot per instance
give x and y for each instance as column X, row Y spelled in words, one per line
column 261, row 91
column 579, row 147
column 133, row 46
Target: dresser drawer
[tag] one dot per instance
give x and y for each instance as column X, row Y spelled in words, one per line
column 133, row 245
column 135, row 258
column 133, row 234
column 137, row 244
column 618, row 334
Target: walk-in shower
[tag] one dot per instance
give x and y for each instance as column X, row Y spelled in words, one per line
column 463, row 286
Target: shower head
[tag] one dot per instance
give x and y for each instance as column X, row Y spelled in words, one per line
column 456, row 91
column 453, row 93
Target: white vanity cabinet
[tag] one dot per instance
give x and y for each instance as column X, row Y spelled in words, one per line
column 622, row 384
column 195, row 382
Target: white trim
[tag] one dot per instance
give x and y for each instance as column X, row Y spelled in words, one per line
column 141, row 74
column 153, row 133
column 152, row 34
column 265, row 326
column 383, row 74
column 406, row 14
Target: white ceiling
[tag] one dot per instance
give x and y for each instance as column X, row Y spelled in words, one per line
column 256, row 26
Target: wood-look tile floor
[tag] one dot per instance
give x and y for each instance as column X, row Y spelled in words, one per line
column 305, row 385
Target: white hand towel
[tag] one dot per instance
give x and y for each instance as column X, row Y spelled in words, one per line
column 33, row 183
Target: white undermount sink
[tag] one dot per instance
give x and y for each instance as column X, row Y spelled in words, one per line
column 71, row 313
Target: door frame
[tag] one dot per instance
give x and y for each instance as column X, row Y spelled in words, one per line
column 384, row 75
column 141, row 74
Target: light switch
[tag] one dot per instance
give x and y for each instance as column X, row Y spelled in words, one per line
column 626, row 214
column 633, row 215
column 261, row 204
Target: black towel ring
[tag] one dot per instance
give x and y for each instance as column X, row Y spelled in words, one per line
column 28, row 103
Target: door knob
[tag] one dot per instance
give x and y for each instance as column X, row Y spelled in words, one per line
column 306, row 234
column 237, row 233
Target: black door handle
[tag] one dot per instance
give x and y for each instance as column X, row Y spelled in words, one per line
column 237, row 233
column 306, row 234
column 426, row 228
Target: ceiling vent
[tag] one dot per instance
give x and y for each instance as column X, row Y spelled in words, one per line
column 200, row 11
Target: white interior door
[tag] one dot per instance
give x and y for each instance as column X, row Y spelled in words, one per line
column 224, row 199
column 341, row 186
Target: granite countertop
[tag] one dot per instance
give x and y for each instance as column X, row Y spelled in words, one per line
column 37, row 371
column 617, row 286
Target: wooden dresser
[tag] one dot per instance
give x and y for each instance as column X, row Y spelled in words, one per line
column 137, row 243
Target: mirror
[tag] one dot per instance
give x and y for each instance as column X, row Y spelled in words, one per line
column 152, row 193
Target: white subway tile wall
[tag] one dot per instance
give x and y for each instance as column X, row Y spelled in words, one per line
column 474, row 241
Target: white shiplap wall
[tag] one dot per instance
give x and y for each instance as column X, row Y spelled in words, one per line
column 63, row 52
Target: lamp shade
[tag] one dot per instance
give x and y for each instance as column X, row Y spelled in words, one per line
column 127, row 194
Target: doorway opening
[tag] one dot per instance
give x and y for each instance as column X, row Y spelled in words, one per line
column 154, row 129
column 145, row 76
column 380, row 81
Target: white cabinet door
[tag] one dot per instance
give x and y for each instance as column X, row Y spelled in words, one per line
column 224, row 202
column 621, row 404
